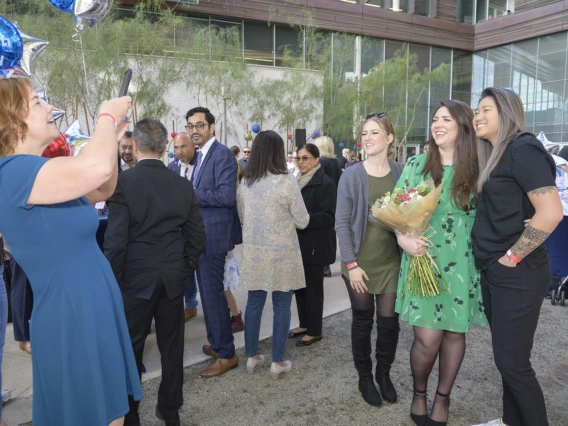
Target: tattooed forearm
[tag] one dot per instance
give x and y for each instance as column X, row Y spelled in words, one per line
column 530, row 240
column 543, row 190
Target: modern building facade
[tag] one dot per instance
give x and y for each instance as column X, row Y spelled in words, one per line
column 521, row 44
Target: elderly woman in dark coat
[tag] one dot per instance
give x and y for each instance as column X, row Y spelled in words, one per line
column 317, row 242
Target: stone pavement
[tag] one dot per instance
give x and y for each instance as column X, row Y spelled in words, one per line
column 322, row 387
column 17, row 371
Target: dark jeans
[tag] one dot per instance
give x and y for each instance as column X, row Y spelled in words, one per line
column 512, row 298
column 22, row 303
column 309, row 300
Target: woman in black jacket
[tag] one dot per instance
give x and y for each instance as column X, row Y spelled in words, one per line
column 317, row 242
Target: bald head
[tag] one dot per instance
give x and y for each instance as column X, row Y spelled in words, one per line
column 184, row 149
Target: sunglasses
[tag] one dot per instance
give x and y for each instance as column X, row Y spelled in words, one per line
column 246, row 152
column 303, row 158
column 376, row 114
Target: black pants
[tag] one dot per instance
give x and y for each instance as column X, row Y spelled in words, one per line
column 169, row 322
column 309, row 300
column 22, row 302
column 513, row 298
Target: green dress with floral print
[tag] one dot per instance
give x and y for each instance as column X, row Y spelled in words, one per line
column 460, row 304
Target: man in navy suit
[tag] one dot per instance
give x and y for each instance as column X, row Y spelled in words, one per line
column 184, row 150
column 215, row 182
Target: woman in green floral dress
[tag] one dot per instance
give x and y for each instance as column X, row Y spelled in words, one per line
column 440, row 322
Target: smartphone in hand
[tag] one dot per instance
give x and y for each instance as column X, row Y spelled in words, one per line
column 125, row 83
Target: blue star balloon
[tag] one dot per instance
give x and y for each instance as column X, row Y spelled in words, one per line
column 11, row 45
column 63, row 5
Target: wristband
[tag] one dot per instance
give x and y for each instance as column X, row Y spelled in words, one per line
column 351, row 266
column 513, row 257
column 106, row 114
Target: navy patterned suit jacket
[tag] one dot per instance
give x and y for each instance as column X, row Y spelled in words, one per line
column 216, row 190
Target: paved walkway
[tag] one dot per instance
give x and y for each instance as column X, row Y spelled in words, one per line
column 17, row 372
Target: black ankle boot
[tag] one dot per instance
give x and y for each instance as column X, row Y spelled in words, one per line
column 387, row 341
column 370, row 393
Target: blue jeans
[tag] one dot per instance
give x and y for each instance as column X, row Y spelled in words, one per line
column 3, row 321
column 281, row 302
column 191, row 293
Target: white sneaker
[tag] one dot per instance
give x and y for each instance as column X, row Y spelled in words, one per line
column 6, row 395
column 498, row 422
column 252, row 362
column 276, row 369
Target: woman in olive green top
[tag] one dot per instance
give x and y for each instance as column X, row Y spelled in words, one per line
column 370, row 258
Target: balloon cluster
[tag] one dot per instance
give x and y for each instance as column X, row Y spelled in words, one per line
column 85, row 11
column 316, row 134
column 18, row 50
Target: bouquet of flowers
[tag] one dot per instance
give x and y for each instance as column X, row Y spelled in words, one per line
column 409, row 212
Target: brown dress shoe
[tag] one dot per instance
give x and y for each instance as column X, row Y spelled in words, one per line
column 208, row 350
column 25, row 346
column 189, row 314
column 220, row 366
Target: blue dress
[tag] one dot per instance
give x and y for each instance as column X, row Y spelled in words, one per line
column 82, row 358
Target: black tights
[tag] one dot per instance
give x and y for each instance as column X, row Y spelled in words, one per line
column 365, row 301
column 426, row 347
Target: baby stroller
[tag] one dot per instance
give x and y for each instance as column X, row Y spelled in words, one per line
column 559, row 294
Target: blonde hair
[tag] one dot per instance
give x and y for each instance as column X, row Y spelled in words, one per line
column 14, row 94
column 326, row 146
column 384, row 123
column 511, row 124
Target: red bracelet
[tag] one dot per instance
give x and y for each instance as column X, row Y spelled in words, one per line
column 106, row 114
column 513, row 257
column 351, row 265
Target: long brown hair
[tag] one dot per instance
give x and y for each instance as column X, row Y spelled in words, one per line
column 266, row 156
column 466, row 167
column 14, row 95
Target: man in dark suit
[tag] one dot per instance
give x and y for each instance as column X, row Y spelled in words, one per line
column 215, row 182
column 142, row 244
column 184, row 151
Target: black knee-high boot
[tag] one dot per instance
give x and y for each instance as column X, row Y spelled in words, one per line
column 387, row 340
column 361, row 328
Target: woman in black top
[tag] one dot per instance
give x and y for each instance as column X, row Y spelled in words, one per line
column 317, row 242
column 516, row 182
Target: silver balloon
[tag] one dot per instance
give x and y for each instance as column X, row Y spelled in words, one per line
column 32, row 48
column 91, row 11
column 56, row 113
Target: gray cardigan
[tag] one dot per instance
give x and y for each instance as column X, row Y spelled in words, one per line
column 353, row 208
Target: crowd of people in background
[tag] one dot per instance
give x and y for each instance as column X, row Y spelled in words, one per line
column 172, row 231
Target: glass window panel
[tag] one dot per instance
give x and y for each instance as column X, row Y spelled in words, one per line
column 462, row 76
column 417, row 96
column 500, row 60
column 372, row 52
column 422, row 7
column 549, row 105
column 478, row 78
column 552, row 57
column 466, row 10
column 553, row 132
column 288, row 44
column 259, row 43
column 391, row 47
column 497, row 8
column 481, row 10
column 225, row 24
column 396, row 5
column 440, row 91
